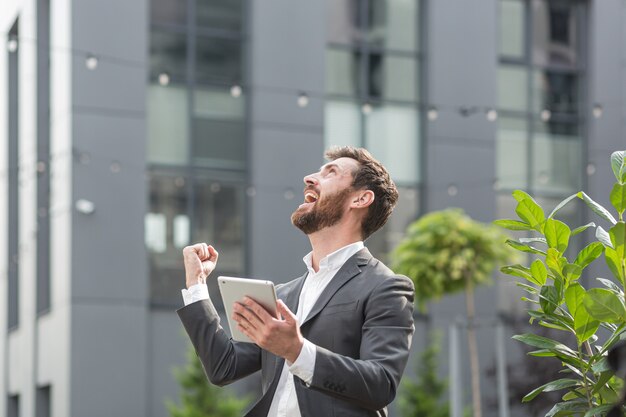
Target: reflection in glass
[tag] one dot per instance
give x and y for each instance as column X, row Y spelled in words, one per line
column 557, row 158
column 512, row 28
column 342, row 74
column 220, row 14
column 169, row 11
column 168, row 54
column 181, row 231
column 342, row 124
column 343, row 21
column 555, row 91
column 219, row 143
column 512, row 91
column 393, row 24
column 168, row 132
column 218, row 214
column 393, row 77
column 555, row 33
column 511, row 153
column 168, row 200
column 218, row 60
column 392, row 135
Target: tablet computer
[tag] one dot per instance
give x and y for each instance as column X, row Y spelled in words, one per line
column 235, row 289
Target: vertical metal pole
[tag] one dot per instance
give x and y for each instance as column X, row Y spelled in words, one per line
column 456, row 386
column 503, row 394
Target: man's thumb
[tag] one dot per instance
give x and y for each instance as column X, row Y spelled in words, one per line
column 285, row 312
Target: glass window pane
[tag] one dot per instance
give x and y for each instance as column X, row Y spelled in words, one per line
column 557, row 158
column 512, row 88
column 220, row 14
column 168, row 201
column 219, row 133
column 342, row 124
column 511, row 153
column 218, row 60
column 392, row 135
column 219, row 220
column 512, row 28
column 394, row 24
column 168, row 54
column 343, row 20
column 168, row 131
column 169, row 11
column 557, row 92
column 555, row 33
column 393, row 77
column 342, row 71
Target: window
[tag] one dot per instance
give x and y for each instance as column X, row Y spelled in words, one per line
column 13, row 180
column 373, row 63
column 539, row 140
column 197, row 138
column 43, row 156
column 42, row 402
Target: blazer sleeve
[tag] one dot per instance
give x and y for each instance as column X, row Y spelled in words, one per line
column 371, row 381
column 224, row 360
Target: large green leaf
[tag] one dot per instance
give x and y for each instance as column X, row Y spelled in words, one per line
column 603, row 236
column 520, row 195
column 589, row 253
column 618, row 197
column 584, row 325
column 596, row 208
column 582, row 228
column 555, row 261
column 519, row 271
column 512, row 224
column 549, row 298
column 619, row 165
column 522, row 247
column 618, row 238
column 572, row 272
column 568, row 408
column 551, row 386
column 613, row 261
column 557, row 234
column 544, row 343
column 599, row 410
column 533, row 240
column 539, row 272
column 604, row 305
column 531, row 213
column 610, row 285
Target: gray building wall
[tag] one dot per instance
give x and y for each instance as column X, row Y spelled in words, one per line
column 102, row 348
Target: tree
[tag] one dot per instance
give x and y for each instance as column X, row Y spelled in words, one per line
column 199, row 398
column 422, row 397
column 595, row 317
column 445, row 252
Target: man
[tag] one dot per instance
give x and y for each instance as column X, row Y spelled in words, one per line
column 342, row 338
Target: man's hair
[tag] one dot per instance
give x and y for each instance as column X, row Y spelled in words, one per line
column 371, row 175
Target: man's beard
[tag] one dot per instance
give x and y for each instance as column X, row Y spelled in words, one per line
column 326, row 212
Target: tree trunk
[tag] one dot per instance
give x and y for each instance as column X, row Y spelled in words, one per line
column 473, row 347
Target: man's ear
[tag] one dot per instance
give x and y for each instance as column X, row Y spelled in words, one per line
column 362, row 199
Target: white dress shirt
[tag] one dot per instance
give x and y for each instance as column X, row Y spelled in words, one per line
column 285, row 402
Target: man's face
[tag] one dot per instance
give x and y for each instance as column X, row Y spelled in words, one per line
column 326, row 196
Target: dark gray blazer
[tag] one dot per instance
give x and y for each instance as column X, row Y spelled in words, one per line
column 362, row 325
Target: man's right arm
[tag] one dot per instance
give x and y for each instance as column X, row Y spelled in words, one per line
column 224, row 360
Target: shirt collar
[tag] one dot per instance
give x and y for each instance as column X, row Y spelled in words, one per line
column 334, row 260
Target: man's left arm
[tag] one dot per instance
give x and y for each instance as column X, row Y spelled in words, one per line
column 372, row 380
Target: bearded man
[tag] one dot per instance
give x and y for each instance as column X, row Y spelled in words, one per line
column 342, row 337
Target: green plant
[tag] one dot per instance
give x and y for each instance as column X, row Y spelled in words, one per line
column 422, row 397
column 445, row 252
column 199, row 398
column 561, row 302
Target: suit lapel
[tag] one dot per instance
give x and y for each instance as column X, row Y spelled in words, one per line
column 349, row 270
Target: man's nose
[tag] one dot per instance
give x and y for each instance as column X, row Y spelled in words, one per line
column 310, row 179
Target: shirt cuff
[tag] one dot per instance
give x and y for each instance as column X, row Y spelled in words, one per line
column 195, row 293
column 304, row 365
